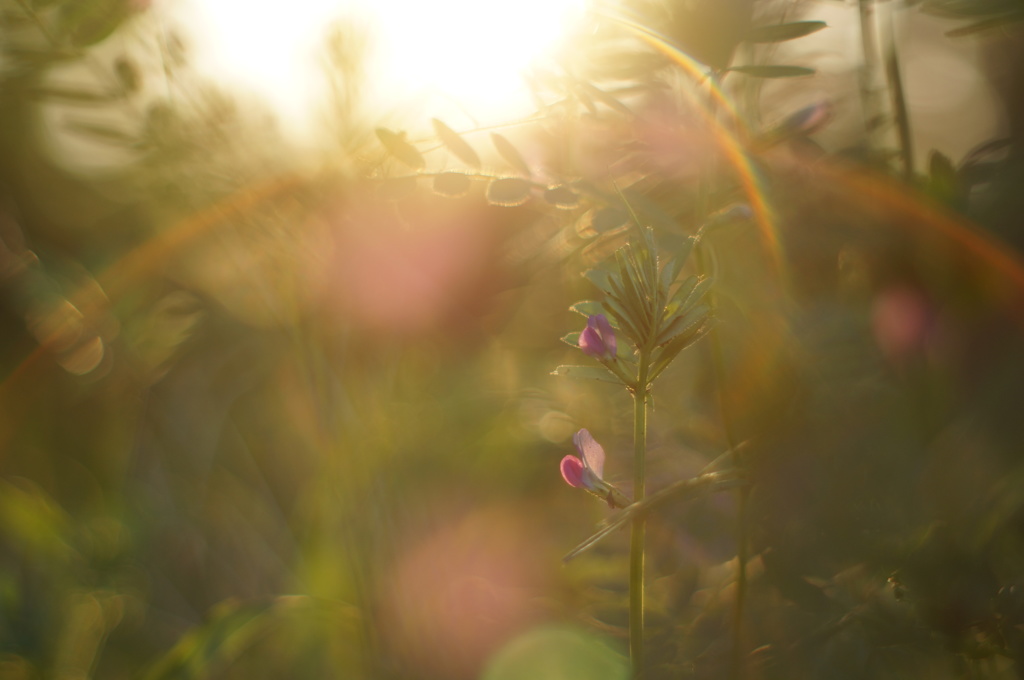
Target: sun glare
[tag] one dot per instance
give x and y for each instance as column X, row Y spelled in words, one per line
column 467, row 55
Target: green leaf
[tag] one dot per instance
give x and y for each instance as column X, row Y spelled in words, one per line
column 452, row 184
column 587, row 373
column 682, row 324
column 572, row 339
column 398, row 147
column 969, row 8
column 773, row 71
column 508, row 191
column 562, row 197
column 782, row 32
column 588, row 308
column 631, row 312
column 623, row 283
column 397, row 188
column 618, row 318
column 686, row 298
column 681, row 295
column 600, row 277
column 510, row 153
column 456, row 144
column 986, row 25
column 673, row 348
column 674, row 267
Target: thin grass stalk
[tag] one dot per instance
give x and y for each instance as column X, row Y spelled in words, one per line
column 874, row 114
column 736, row 666
column 899, row 99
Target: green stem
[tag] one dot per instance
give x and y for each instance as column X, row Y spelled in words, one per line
column 870, row 94
column 899, row 99
column 636, row 549
column 736, row 666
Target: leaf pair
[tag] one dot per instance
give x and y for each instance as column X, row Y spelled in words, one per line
column 779, row 33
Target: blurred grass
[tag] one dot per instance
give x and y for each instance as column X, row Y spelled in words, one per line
column 217, row 463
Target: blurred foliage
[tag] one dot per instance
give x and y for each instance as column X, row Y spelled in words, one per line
column 262, row 421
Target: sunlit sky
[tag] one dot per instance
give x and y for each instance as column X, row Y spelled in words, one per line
column 465, row 55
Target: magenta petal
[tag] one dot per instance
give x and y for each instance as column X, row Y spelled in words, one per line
column 590, row 342
column 590, row 451
column 572, row 471
column 604, row 329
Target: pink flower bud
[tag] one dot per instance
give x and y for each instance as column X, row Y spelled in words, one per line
column 598, row 338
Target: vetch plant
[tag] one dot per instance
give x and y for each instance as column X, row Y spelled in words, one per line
column 657, row 315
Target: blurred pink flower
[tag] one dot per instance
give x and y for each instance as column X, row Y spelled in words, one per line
column 903, row 321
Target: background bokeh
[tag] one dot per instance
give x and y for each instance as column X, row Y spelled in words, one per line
column 280, row 404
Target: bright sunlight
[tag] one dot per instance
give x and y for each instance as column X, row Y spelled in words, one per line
column 463, row 55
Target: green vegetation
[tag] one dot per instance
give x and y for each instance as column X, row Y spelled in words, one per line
column 268, row 414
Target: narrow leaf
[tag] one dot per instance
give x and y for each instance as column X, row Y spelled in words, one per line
column 986, row 25
column 773, row 71
column 782, row 32
column 588, row 308
column 456, row 144
column 587, row 373
column 620, row 319
column 681, row 294
column 599, row 277
column 633, row 313
column 673, row 348
column 398, row 147
column 508, row 191
column 510, row 153
column 685, row 323
column 687, row 298
column 452, row 184
column 675, row 266
column 572, row 339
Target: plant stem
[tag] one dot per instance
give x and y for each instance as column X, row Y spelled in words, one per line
column 870, row 88
column 636, row 548
column 736, row 668
column 899, row 99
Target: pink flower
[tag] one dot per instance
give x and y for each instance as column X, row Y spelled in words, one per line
column 586, row 471
column 598, row 340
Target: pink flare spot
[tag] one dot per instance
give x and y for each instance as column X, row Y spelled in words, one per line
column 572, row 471
column 902, row 320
